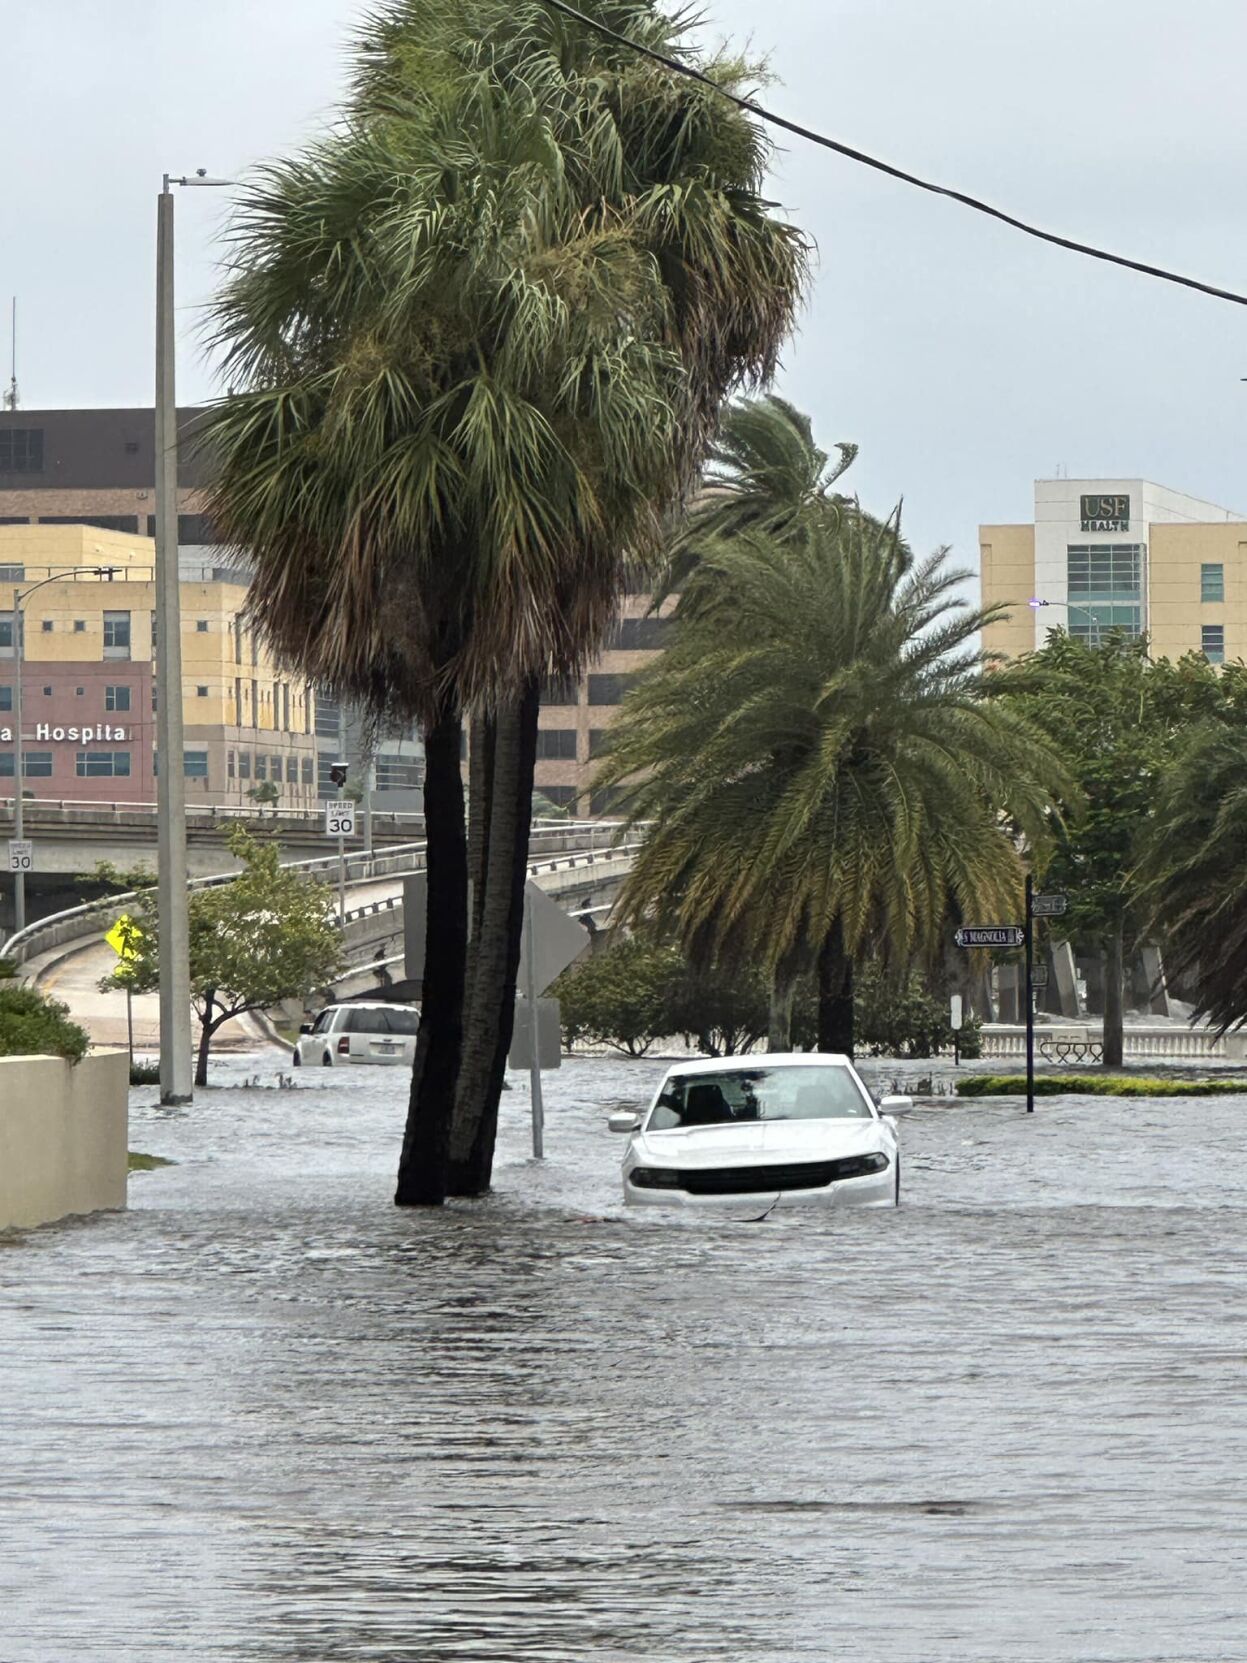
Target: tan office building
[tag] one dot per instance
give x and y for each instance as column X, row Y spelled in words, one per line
column 1105, row 554
column 88, row 684
column 575, row 717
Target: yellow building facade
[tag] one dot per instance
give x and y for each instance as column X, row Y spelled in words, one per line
column 1119, row 554
column 88, row 684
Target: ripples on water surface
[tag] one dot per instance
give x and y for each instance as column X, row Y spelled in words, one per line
column 263, row 1416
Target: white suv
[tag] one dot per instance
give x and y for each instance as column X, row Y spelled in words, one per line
column 358, row 1033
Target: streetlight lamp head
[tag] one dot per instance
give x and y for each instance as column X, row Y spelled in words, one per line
column 1035, row 601
column 201, row 177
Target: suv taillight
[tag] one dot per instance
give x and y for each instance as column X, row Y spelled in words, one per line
column 344, row 1046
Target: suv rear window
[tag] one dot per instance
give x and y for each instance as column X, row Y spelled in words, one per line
column 395, row 1021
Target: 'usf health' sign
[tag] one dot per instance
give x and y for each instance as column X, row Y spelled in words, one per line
column 1105, row 512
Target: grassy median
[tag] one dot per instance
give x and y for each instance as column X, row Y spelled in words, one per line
column 1094, row 1085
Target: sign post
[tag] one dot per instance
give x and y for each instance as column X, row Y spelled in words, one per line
column 340, row 823
column 534, row 1059
column 124, row 938
column 1030, row 994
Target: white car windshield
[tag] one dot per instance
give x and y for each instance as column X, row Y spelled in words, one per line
column 726, row 1097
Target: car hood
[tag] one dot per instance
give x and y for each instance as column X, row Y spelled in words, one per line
column 759, row 1142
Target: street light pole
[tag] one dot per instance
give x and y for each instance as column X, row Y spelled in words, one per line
column 171, row 874
column 1070, row 606
column 19, row 778
column 20, row 597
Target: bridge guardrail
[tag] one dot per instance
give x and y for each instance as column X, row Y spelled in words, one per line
column 1002, row 1039
column 73, row 923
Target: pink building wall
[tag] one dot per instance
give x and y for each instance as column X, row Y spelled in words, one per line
column 78, row 700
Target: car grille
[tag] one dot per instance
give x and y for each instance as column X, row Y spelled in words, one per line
column 751, row 1180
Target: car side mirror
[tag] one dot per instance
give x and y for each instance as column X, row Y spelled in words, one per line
column 624, row 1120
column 305, row 1027
column 896, row 1105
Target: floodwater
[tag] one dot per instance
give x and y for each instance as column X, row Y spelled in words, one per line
column 264, row 1416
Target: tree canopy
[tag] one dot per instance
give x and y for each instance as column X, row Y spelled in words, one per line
column 267, row 935
column 815, row 749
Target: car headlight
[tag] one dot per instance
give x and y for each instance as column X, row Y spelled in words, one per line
column 860, row 1166
column 655, row 1178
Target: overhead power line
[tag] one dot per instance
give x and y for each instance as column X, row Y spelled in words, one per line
column 879, row 166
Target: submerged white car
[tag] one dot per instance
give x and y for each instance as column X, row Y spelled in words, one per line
column 362, row 1032
column 786, row 1129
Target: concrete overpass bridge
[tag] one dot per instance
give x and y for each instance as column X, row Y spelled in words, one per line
column 66, row 955
column 71, row 839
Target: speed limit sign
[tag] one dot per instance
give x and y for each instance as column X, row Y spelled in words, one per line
column 21, row 854
column 340, row 819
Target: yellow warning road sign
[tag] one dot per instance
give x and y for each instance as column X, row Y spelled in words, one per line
column 124, row 937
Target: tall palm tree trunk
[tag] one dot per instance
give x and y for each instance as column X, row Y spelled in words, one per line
column 439, row 1046
column 480, row 802
column 779, row 1013
column 1114, row 975
column 491, row 1009
column 835, row 993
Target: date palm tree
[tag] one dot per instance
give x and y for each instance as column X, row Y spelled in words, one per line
column 479, row 337
column 818, row 767
column 768, row 475
column 1192, row 871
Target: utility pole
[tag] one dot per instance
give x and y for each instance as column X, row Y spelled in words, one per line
column 171, row 875
column 19, row 774
column 10, row 398
column 171, row 872
column 1030, row 994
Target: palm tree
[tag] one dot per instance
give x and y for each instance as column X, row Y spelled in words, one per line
column 766, row 474
column 765, row 471
column 818, row 766
column 1193, row 869
column 479, row 337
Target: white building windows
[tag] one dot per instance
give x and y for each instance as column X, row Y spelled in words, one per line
column 97, row 765
column 1212, row 582
column 116, row 635
column 1212, row 642
column 1105, row 587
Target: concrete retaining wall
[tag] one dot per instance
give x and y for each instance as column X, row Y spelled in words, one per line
column 63, row 1136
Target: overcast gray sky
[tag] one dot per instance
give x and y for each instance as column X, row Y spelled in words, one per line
column 963, row 358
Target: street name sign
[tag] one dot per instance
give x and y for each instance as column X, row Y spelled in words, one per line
column 21, row 854
column 990, row 935
column 1049, row 906
column 340, row 819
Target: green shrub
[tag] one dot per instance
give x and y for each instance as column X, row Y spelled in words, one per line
column 636, row 992
column 1093, row 1085
column 721, row 1012
column 620, row 997
column 892, row 1017
column 32, row 1026
column 8, row 967
column 144, row 1073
